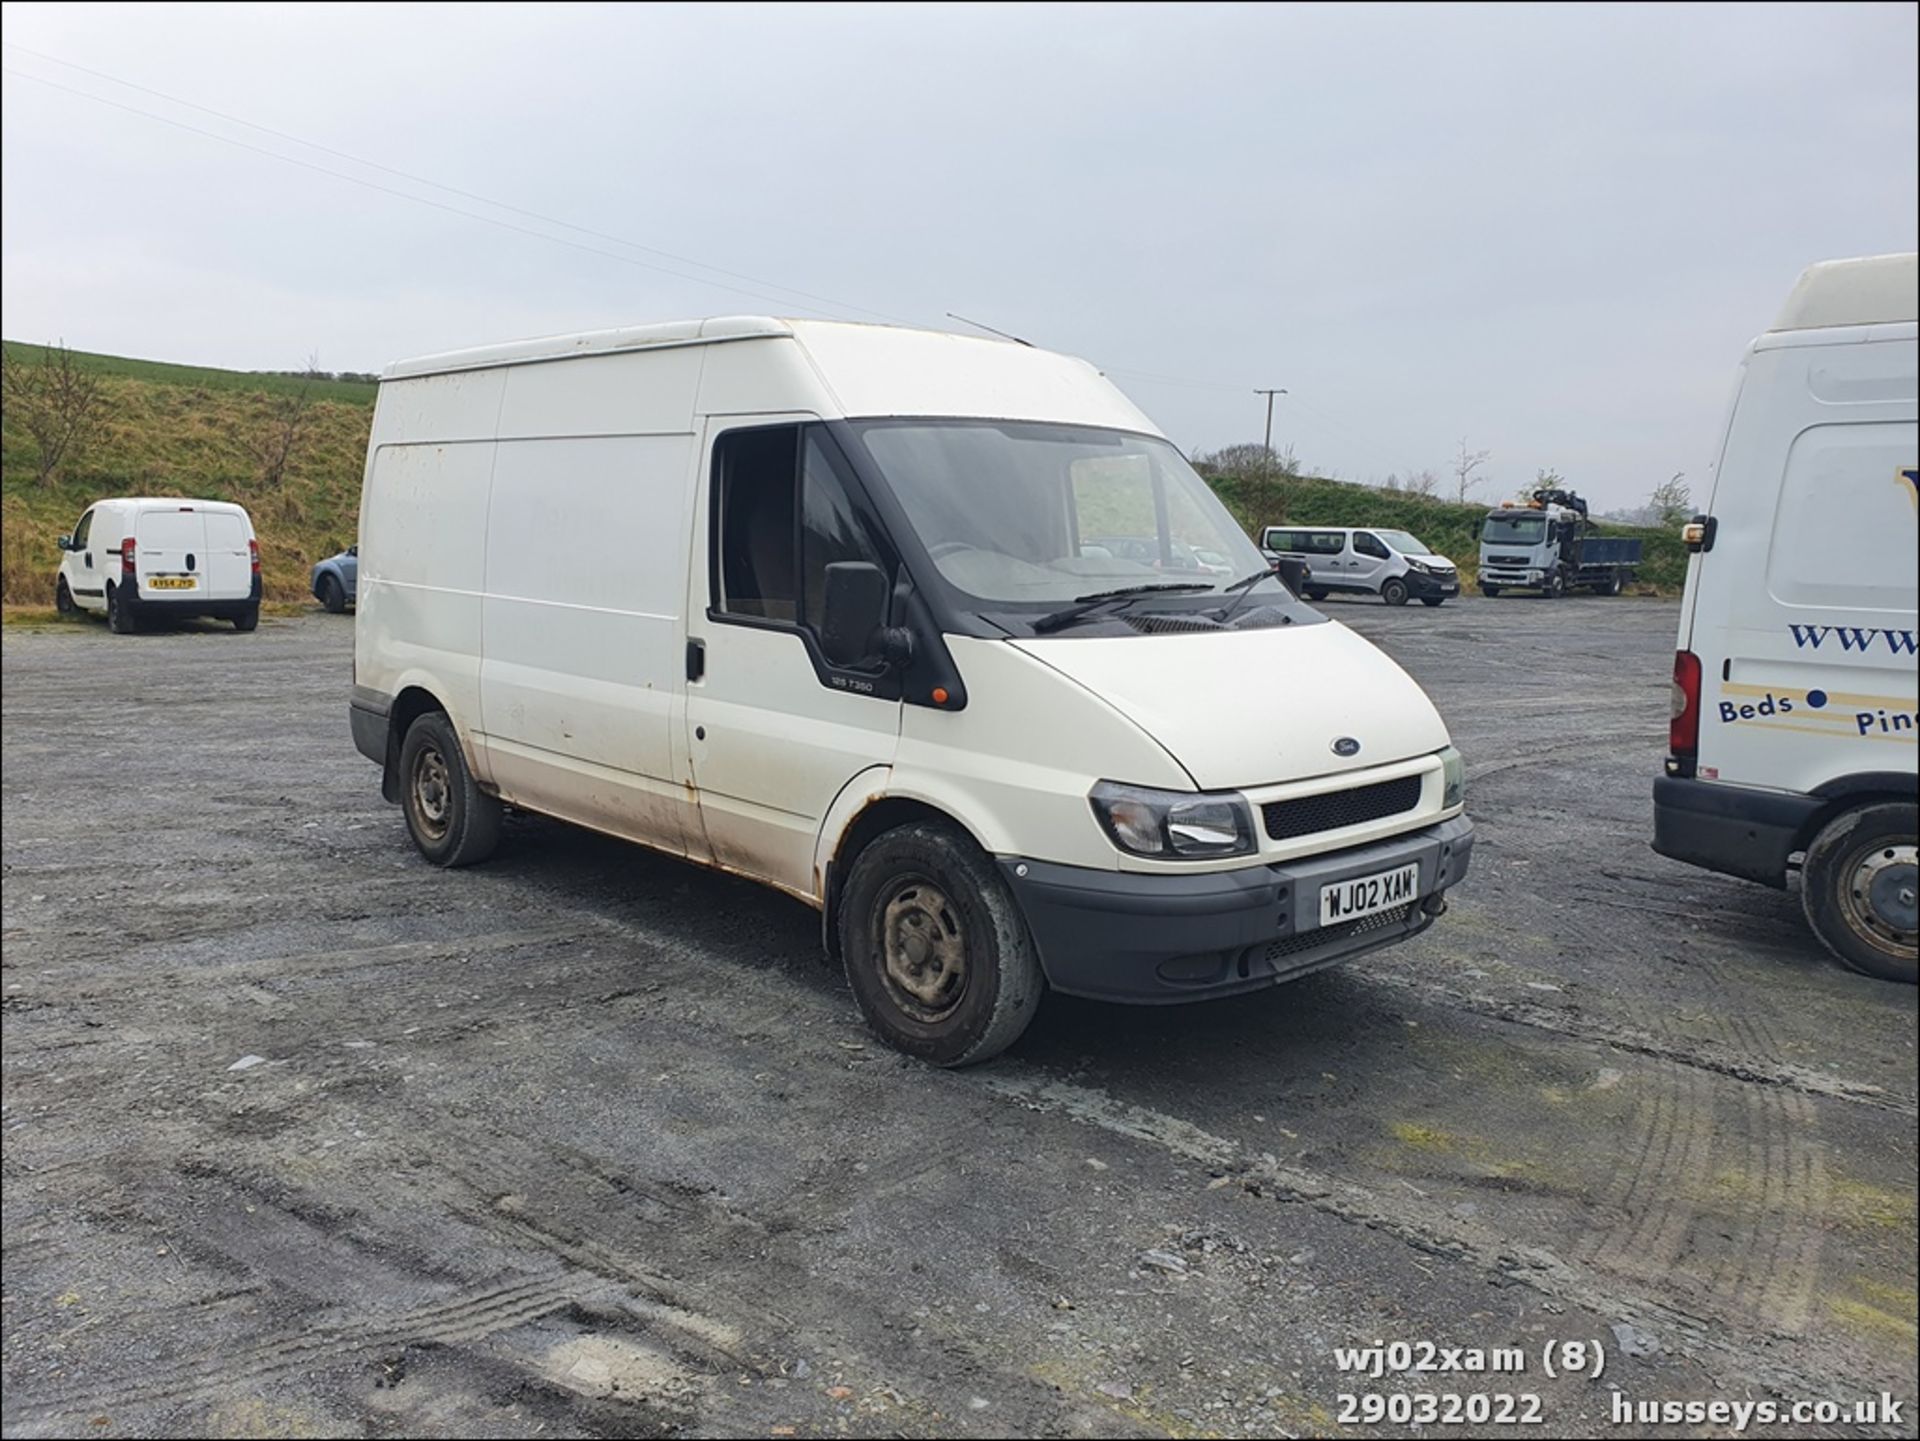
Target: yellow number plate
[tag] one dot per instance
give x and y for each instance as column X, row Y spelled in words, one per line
column 171, row 582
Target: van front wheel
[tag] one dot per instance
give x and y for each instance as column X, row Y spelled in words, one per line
column 451, row 820
column 1858, row 889
column 1395, row 592
column 936, row 951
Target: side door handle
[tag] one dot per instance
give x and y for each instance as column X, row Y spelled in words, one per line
column 696, row 659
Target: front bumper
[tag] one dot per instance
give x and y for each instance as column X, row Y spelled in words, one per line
column 1515, row 579
column 1156, row 939
column 1423, row 584
column 1735, row 830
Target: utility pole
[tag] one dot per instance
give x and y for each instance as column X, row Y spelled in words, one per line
column 1266, row 453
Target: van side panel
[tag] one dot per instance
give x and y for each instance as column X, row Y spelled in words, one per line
column 585, row 640
column 583, row 672
column 423, row 529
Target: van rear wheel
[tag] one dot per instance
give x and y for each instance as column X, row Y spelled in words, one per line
column 248, row 619
column 936, row 951
column 119, row 613
column 1858, row 889
column 452, row 821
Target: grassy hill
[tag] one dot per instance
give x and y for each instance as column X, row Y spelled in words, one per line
column 190, row 430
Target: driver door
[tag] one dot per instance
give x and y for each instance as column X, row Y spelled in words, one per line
column 1369, row 556
column 774, row 732
column 85, row 577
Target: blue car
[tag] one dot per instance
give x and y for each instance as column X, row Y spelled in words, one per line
column 334, row 579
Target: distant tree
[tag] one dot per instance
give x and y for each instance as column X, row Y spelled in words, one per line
column 1267, row 477
column 1672, row 501
column 1464, row 466
column 1547, row 478
column 55, row 402
column 276, row 443
column 1420, row 482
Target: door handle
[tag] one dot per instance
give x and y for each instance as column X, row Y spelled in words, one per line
column 696, row 659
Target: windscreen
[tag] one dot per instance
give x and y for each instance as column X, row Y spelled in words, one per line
column 1402, row 542
column 1015, row 512
column 1515, row 529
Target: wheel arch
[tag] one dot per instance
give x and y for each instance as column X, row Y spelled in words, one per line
column 409, row 705
column 1845, row 793
column 873, row 812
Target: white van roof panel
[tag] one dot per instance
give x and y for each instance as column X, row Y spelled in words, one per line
column 591, row 342
column 1872, row 290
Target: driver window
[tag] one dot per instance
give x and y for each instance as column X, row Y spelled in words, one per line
column 1369, row 544
column 80, row 531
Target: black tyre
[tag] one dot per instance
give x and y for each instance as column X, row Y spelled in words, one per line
column 1316, row 592
column 1858, row 889
column 119, row 613
column 451, row 820
column 936, row 950
column 1491, row 592
column 1432, row 600
column 63, row 598
column 333, row 595
column 1395, row 592
column 1555, row 587
column 1612, row 586
column 248, row 619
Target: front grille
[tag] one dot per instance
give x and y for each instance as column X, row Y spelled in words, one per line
column 1506, row 560
column 1327, row 935
column 1332, row 809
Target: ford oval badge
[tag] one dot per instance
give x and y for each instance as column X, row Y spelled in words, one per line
column 1346, row 746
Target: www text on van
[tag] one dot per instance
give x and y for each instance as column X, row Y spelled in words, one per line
column 858, row 612
column 1794, row 694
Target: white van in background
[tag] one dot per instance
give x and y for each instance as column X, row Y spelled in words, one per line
column 820, row 605
column 161, row 557
column 1388, row 563
column 1794, row 721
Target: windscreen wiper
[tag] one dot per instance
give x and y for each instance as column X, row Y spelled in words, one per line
column 1245, row 586
column 1084, row 604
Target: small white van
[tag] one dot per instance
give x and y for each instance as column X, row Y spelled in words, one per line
column 161, row 557
column 1794, row 696
column 844, row 609
column 1391, row 564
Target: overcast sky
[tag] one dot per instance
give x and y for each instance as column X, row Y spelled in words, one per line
column 1550, row 231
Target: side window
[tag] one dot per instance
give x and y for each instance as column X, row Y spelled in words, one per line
column 80, row 531
column 1282, row 540
column 756, row 472
column 829, row 529
column 1369, row 544
column 1323, row 542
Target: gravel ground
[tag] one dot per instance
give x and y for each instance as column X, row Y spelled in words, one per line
column 305, row 1137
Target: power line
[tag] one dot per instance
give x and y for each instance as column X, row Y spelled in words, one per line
column 435, row 204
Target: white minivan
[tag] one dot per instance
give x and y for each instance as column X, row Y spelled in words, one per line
column 821, row 605
column 1794, row 716
column 1391, row 564
column 161, row 557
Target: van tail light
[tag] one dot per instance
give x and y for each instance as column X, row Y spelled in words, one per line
column 253, row 554
column 1683, row 731
column 126, row 557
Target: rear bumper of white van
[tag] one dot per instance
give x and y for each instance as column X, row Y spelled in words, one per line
column 1735, row 830
column 1161, row 939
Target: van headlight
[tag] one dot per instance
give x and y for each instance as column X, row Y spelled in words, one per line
column 1453, row 776
column 1174, row 825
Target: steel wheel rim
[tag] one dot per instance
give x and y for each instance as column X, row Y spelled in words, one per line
column 1879, row 895
column 923, row 949
column 432, row 792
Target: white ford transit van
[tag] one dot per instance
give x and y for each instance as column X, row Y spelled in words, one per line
column 1794, row 684
column 820, row 604
column 153, row 557
column 1391, row 564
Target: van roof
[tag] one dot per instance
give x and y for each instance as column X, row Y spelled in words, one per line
column 593, row 342
column 168, row 500
column 1871, row 290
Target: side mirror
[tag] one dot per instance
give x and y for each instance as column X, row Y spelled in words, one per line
column 1293, row 573
column 66, row 542
column 856, row 607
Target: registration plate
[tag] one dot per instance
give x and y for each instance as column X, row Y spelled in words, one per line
column 1366, row 895
column 171, row 582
